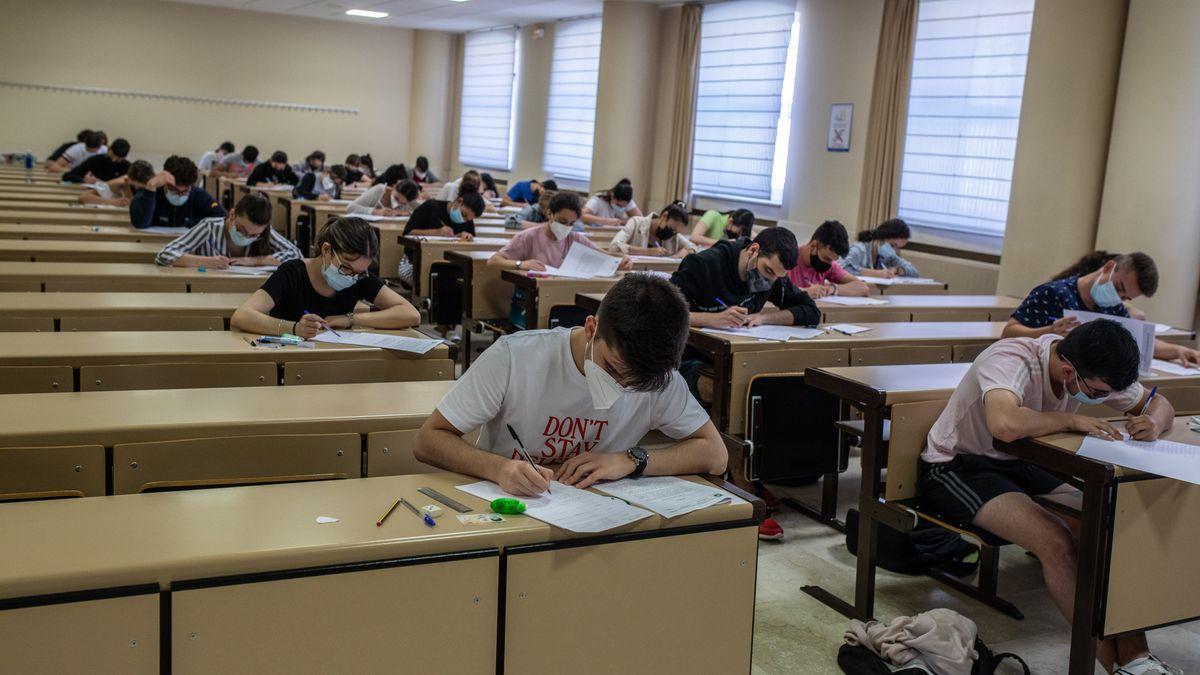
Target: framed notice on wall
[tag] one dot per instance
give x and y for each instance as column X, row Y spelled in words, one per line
column 841, row 117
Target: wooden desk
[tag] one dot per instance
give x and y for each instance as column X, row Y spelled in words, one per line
column 97, row 277
column 8, row 196
column 73, row 216
column 544, row 293
column 249, row 556
column 68, row 208
column 924, row 308
column 57, row 306
column 92, row 233
column 423, row 252
column 877, row 288
column 79, row 251
column 291, row 207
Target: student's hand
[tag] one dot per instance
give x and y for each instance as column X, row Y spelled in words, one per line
column 889, row 272
column 733, row 317
column 1064, row 325
column 818, row 291
column 218, row 262
column 755, row 320
column 89, row 178
column 517, row 477
column 121, row 201
column 1143, row 428
column 1186, row 356
column 466, row 236
column 626, row 263
column 584, row 470
column 338, row 321
column 1094, row 426
column 309, row 326
column 250, row 261
column 160, row 179
column 533, row 266
column 446, row 231
column 323, row 198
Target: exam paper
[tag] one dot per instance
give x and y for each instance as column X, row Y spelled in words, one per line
column 1172, row 368
column 1161, row 328
column 165, row 230
column 245, row 269
column 583, row 262
column 847, row 328
column 853, row 302
column 881, row 281
column 668, row 496
column 650, row 258
column 369, row 217
column 1163, row 458
column 567, row 507
column 1142, row 332
column 398, row 343
column 777, row 333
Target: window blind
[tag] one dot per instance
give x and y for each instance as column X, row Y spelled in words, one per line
column 571, row 114
column 489, row 77
column 964, row 107
column 744, row 58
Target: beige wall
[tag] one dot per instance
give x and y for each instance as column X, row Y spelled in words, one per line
column 1151, row 201
column 433, row 62
column 172, row 48
column 1062, row 143
column 668, row 61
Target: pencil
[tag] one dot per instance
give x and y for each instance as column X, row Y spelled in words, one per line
column 325, row 325
column 387, row 513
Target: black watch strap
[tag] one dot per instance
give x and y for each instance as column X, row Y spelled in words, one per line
column 639, row 456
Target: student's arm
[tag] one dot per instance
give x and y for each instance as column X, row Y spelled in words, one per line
column 593, row 219
column 58, row 166
column 633, row 211
column 796, row 308
column 905, row 268
column 394, row 312
column 253, row 316
column 700, row 234
column 702, row 452
column 513, row 252
column 1062, row 326
column 178, row 253
column 79, row 173
column 141, row 208
column 1008, row 420
column 620, row 242
column 1172, row 352
column 1159, row 417
column 367, row 202
column 849, row 285
column 290, row 177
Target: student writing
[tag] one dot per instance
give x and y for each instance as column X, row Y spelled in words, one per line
column 877, row 252
column 611, row 207
column 321, row 185
column 92, row 144
column 171, row 198
column 274, row 172
column 103, row 166
column 714, row 226
column 392, row 197
column 237, row 164
column 526, row 192
column 58, row 152
column 817, row 272
column 421, row 173
column 118, row 191
column 658, row 234
column 210, row 159
column 242, row 238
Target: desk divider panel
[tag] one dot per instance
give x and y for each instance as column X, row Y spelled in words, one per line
column 46, row 472
column 177, row 376
column 28, row 324
column 899, row 355
column 115, row 286
column 140, row 323
column 952, row 315
column 36, row 379
column 357, row 371
column 967, row 353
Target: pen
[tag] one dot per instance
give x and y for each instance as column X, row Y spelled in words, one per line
column 387, row 513
column 324, row 325
column 1153, row 393
column 524, row 453
column 721, row 304
column 425, row 517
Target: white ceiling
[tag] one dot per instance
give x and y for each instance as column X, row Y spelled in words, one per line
column 427, row 14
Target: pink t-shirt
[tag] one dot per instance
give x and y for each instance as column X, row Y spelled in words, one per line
column 537, row 244
column 1017, row 365
column 803, row 275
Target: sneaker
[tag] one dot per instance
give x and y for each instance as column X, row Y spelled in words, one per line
column 1146, row 665
column 771, row 531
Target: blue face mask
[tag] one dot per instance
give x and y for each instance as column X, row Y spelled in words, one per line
column 1082, row 397
column 456, row 216
column 176, row 199
column 238, row 238
column 336, row 280
column 1105, row 294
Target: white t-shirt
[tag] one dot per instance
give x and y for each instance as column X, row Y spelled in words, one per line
column 79, row 152
column 102, row 189
column 605, row 209
column 1017, row 365
column 208, row 160
column 449, row 191
column 530, row 380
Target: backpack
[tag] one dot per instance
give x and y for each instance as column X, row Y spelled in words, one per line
column 926, row 547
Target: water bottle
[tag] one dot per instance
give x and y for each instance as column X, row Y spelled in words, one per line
column 29, row 167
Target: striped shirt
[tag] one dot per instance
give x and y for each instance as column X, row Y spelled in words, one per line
column 207, row 238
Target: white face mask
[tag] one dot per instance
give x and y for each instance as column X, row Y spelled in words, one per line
column 559, row 230
column 396, row 203
column 604, row 389
column 327, row 183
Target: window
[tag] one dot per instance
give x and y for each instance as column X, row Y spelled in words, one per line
column 744, row 99
column 963, row 112
column 489, row 80
column 571, row 115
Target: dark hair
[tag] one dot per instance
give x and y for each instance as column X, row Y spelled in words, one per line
column 743, row 219
column 550, row 185
column 93, row 140
column 140, row 171
column 422, row 163
column 249, row 154
column 566, row 200
column 366, row 159
column 182, row 169
column 890, row 229
column 392, row 175
column 473, row 201
column 644, row 319
column 781, row 241
column 1144, row 268
column 103, row 137
column 337, row 171
column 353, row 159
column 1102, row 349
column 347, row 234
column 279, row 156
column 315, row 154
column 408, row 189
column 82, row 135
column 1090, row 262
column 622, row 191
column 833, row 234
column 470, row 182
column 489, row 183
column 227, row 146
column 120, row 148
column 256, row 207
column 676, row 210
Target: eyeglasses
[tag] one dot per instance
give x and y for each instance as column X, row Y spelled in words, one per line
column 346, row 270
column 1088, row 390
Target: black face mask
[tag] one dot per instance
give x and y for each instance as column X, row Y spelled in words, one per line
column 664, row 233
column 815, row 262
column 731, row 233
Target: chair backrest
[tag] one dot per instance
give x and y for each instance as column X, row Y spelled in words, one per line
column 36, row 379
column 51, row 472
column 779, row 404
column 238, row 460
column 953, row 315
column 843, row 315
column 177, row 376
column 911, row 423
column 115, row 286
column 899, row 355
column 140, row 323
column 27, row 324
column 367, row 370
column 967, row 353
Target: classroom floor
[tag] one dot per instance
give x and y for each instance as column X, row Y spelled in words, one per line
column 794, row 633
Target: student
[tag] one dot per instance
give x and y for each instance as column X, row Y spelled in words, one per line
column 714, row 226
column 274, row 172
column 92, row 144
column 421, row 173
column 243, row 238
column 356, row 172
column 876, row 253
column 386, row 199
column 615, row 376
column 118, row 191
column 103, row 167
column 315, row 162
column 1104, row 290
column 817, row 272
column 210, row 159
column 526, row 192
column 79, row 138
column 1027, row 387
column 490, row 191
column 321, row 185
column 612, row 207
column 367, row 166
column 471, row 179
column 533, row 215
column 437, row 218
column 235, row 165
column 658, row 234
column 305, row 296
column 171, row 198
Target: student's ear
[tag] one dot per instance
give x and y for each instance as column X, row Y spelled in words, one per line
column 589, row 327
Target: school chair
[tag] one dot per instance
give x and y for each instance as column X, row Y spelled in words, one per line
column 140, row 323
column 177, row 376
column 234, row 460
column 55, row 472
column 28, row 324
column 567, row 316
column 366, row 370
column 36, row 379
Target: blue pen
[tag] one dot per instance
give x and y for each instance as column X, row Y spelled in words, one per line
column 721, row 304
column 425, row 517
column 1153, row 393
column 327, row 326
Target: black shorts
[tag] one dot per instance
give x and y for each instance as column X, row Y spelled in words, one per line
column 955, row 491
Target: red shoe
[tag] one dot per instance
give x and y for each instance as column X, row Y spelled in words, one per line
column 770, row 530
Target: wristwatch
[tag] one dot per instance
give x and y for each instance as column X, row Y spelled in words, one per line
column 519, row 263
column 350, row 319
column 639, row 457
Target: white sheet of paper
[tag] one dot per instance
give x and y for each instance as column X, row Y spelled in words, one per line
column 567, row 507
column 777, row 333
column 583, row 262
column 165, row 230
column 853, row 302
column 1161, row 328
column 244, row 269
column 1163, row 458
column 649, row 258
column 436, row 238
column 847, row 328
column 668, row 496
column 369, row 217
column 1142, row 332
column 103, row 206
column 398, row 343
column 915, row 281
column 1172, row 368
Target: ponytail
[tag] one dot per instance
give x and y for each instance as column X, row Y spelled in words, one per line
column 890, row 229
column 676, row 211
column 1086, row 265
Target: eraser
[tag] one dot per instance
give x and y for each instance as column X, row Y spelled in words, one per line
column 433, row 510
